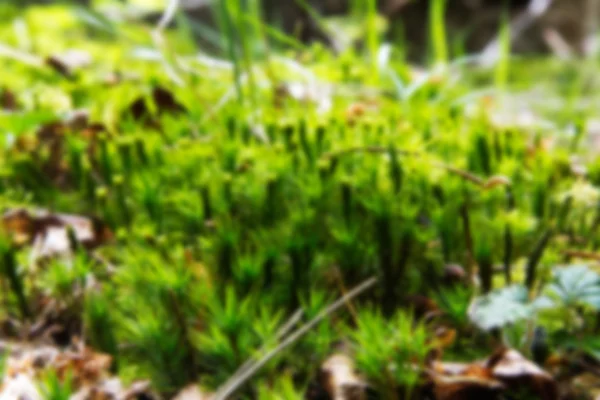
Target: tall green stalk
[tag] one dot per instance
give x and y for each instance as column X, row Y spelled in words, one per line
column 502, row 70
column 437, row 30
column 372, row 34
column 226, row 21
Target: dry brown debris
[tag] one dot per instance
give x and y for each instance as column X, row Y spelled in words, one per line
column 51, row 234
column 88, row 372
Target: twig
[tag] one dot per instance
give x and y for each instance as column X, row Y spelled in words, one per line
column 485, row 184
column 168, row 15
column 518, row 25
column 463, row 174
column 231, row 386
column 557, row 43
column 587, row 255
column 159, row 42
column 284, row 330
column 25, row 58
column 590, row 43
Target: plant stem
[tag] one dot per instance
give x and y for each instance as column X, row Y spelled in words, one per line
column 535, row 257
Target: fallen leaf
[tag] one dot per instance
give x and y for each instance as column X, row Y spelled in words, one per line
column 49, row 233
column 69, row 62
column 88, row 370
column 518, row 373
column 8, row 100
column 192, row 392
column 47, row 148
column 457, row 381
column 163, row 100
column 339, row 379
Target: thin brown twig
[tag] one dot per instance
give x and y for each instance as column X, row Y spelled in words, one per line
column 586, row 255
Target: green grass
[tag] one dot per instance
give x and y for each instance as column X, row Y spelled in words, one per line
column 230, row 216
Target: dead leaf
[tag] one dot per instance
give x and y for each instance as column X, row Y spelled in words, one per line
column 457, row 381
column 339, row 379
column 517, row 373
column 49, row 233
column 163, row 100
column 192, row 392
column 89, row 371
column 68, row 63
column 47, row 149
column 8, row 100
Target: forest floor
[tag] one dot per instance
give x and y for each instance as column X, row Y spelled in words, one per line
column 284, row 222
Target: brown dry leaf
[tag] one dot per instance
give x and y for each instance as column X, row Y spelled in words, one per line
column 89, row 371
column 456, row 381
column 69, row 62
column 56, row 322
column 163, row 100
column 518, row 373
column 86, row 366
column 49, row 233
column 51, row 137
column 192, row 392
column 338, row 378
column 8, row 100
column 48, row 146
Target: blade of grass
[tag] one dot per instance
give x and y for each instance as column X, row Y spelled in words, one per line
column 168, row 15
column 372, row 36
column 226, row 22
column 437, row 29
column 503, row 65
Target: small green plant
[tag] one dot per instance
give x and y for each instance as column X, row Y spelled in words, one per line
column 54, row 387
column 11, row 275
column 390, row 352
column 282, row 389
column 454, row 303
column 437, row 31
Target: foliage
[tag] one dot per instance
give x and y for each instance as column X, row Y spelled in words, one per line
column 220, row 195
column 390, row 352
